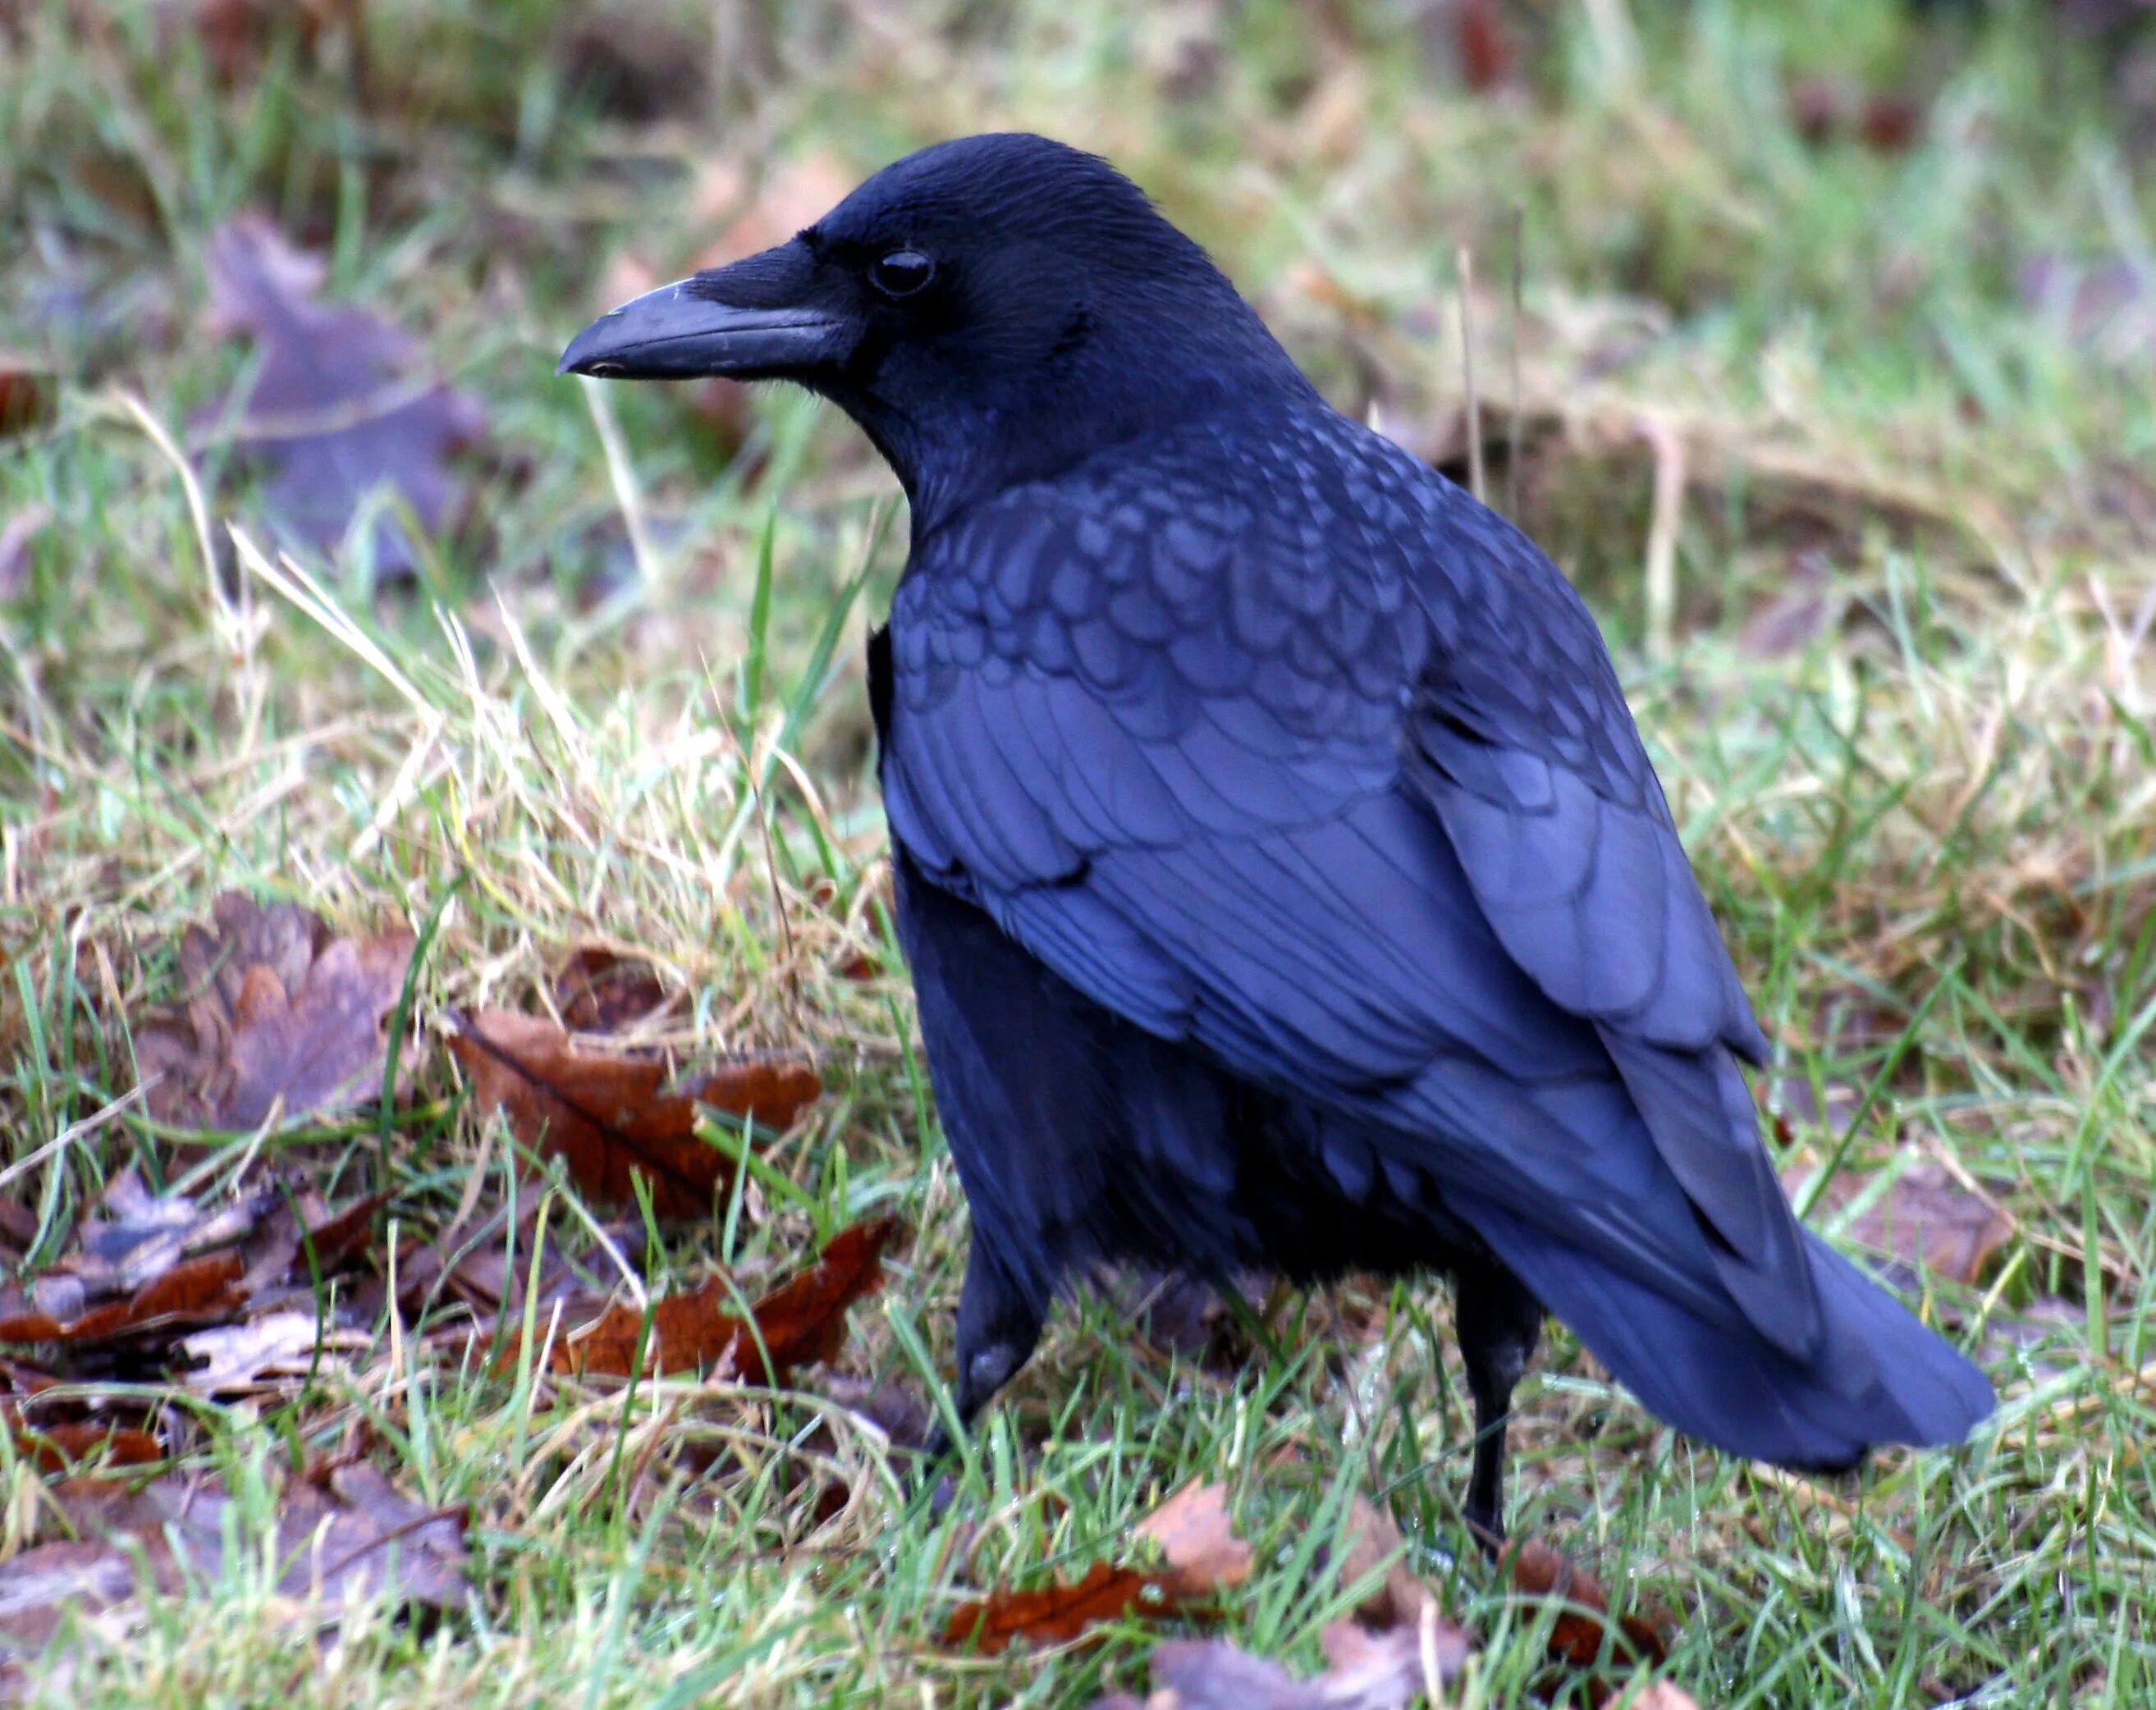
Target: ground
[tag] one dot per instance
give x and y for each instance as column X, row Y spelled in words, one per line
column 1825, row 375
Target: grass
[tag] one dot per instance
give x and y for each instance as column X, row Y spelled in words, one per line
column 1929, row 829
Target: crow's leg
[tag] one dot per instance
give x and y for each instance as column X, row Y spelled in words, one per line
column 1498, row 1323
column 998, row 1328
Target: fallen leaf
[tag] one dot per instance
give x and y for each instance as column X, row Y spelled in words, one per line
column 1489, row 59
column 1198, row 1541
column 1542, row 1573
column 28, row 394
column 1368, row 1671
column 340, row 1540
column 288, row 1343
column 1662, row 1695
column 1925, row 1220
column 1201, row 1555
column 238, row 36
column 1055, row 1615
column 633, row 67
column 278, row 1017
column 599, row 990
column 612, row 1117
column 198, row 1291
column 897, row 1410
column 61, row 1448
column 144, row 1266
column 341, row 408
column 1373, row 1541
column 801, row 1324
column 15, row 539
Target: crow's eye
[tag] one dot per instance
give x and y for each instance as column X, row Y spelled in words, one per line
column 901, row 272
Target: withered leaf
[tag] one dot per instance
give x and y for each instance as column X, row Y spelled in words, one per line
column 1372, row 1541
column 1055, row 1615
column 801, row 1324
column 28, row 394
column 146, row 1265
column 287, row 1343
column 1201, row 1556
column 600, row 990
column 196, row 1291
column 1663, row 1695
column 1368, row 1671
column 341, row 407
column 1924, row 1221
column 61, row 1446
column 342, row 1539
column 1198, row 1540
column 612, row 1117
column 280, row 1017
column 1543, row 1573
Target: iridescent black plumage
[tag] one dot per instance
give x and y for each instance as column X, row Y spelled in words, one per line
column 1284, row 880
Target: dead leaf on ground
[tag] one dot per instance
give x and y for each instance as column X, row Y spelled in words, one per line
column 1373, row 1539
column 612, row 1117
column 801, row 1324
column 239, row 36
column 339, row 1539
column 897, row 1410
column 601, row 991
column 1541, row 1572
column 1198, row 1540
column 1925, row 1220
column 17, row 538
column 1662, row 1695
column 1201, row 1555
column 1367, row 1670
column 632, row 66
column 341, row 407
column 149, row 1268
column 287, row 1344
column 1057, row 1614
column 29, row 395
column 62, row 1447
column 278, row 1017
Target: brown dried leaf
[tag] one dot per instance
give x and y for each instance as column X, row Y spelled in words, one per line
column 1663, row 1695
column 1373, row 1540
column 16, row 540
column 1055, row 1615
column 339, row 1540
column 60, row 1447
column 612, row 1117
column 1368, row 1671
column 280, row 1017
column 802, row 1323
column 198, row 1291
column 1541, row 1572
column 29, row 395
column 289, row 1342
column 600, row 990
column 1203, row 1558
column 145, row 1266
column 341, row 407
column 1198, row 1541
column 1925, row 1221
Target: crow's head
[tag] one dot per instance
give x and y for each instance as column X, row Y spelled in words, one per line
column 989, row 309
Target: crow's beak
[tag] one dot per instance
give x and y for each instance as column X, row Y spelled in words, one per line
column 677, row 333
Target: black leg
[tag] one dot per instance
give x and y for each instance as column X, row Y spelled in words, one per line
column 1498, row 1323
column 997, row 1330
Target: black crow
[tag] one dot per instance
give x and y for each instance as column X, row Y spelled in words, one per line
column 1285, row 885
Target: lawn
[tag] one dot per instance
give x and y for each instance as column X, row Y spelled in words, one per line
column 1812, row 339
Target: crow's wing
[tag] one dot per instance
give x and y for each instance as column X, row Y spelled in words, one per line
column 1276, row 744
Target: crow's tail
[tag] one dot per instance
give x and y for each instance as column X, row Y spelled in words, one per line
column 1879, row 1375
